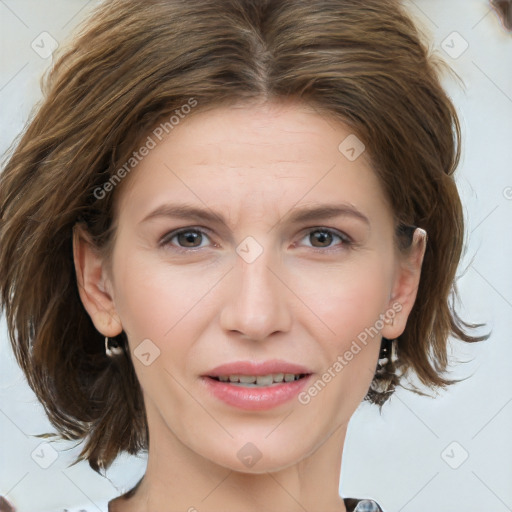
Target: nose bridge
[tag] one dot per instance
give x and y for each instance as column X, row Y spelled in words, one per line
column 257, row 304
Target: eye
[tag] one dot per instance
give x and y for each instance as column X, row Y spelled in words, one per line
column 192, row 238
column 322, row 238
column 187, row 238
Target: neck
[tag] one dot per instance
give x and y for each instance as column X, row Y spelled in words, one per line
column 178, row 478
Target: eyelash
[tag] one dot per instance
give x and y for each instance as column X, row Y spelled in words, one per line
column 347, row 241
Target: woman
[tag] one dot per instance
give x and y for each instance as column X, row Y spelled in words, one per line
column 228, row 224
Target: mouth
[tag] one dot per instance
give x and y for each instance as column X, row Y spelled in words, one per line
column 259, row 381
column 256, row 386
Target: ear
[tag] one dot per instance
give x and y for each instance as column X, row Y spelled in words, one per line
column 406, row 284
column 93, row 284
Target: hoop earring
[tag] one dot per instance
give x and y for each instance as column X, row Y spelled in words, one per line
column 112, row 347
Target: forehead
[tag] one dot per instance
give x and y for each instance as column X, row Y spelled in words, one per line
column 261, row 157
column 246, row 134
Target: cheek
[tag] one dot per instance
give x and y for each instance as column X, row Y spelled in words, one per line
column 349, row 338
column 345, row 299
column 139, row 299
column 349, row 301
column 154, row 298
column 159, row 302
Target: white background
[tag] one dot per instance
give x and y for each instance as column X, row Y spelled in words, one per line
column 406, row 457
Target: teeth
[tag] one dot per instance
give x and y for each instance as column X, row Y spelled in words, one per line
column 265, row 380
column 249, row 379
column 259, row 380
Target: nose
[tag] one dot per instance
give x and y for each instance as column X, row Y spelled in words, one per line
column 258, row 299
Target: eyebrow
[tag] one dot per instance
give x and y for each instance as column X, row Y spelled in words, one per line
column 295, row 216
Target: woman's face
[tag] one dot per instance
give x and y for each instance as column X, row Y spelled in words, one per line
column 252, row 286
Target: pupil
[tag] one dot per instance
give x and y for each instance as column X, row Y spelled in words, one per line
column 189, row 237
column 322, row 236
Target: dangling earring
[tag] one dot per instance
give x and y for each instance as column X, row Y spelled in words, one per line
column 388, row 351
column 385, row 379
column 112, row 347
column 387, row 354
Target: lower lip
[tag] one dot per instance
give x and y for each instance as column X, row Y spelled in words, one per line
column 253, row 398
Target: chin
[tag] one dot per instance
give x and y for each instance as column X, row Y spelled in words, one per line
column 260, row 453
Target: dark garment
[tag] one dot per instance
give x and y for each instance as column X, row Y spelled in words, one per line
column 353, row 505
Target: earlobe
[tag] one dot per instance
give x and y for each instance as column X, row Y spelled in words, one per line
column 91, row 278
column 406, row 285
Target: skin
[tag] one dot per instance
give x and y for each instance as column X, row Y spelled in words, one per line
column 303, row 300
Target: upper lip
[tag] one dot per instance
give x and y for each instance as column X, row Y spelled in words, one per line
column 257, row 368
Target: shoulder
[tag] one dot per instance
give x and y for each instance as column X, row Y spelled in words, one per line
column 355, row 505
column 81, row 509
column 99, row 507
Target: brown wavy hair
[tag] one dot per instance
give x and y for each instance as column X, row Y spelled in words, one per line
column 135, row 63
